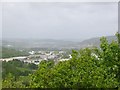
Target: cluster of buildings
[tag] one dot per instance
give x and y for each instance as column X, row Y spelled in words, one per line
column 37, row 57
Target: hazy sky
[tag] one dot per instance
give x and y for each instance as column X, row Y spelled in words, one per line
column 66, row 21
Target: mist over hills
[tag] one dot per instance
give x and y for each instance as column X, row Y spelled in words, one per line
column 96, row 41
column 52, row 44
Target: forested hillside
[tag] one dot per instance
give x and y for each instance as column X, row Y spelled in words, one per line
column 96, row 41
column 19, row 70
column 10, row 52
column 88, row 68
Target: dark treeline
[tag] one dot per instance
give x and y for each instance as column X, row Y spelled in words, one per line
column 17, row 68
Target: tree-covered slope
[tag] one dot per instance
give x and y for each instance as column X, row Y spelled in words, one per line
column 10, row 52
column 96, row 41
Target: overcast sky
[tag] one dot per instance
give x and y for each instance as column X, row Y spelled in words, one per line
column 68, row 21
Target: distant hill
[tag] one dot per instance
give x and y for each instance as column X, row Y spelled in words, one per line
column 52, row 44
column 95, row 41
column 42, row 43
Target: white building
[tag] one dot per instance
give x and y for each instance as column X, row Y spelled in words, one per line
column 32, row 52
